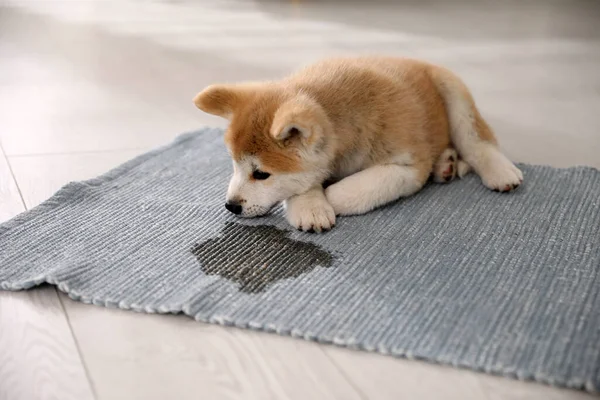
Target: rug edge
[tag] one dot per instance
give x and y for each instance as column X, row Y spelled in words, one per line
column 73, row 187
column 586, row 386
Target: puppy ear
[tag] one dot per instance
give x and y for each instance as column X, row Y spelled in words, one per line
column 299, row 119
column 223, row 100
column 291, row 131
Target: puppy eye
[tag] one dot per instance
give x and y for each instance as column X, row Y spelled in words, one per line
column 260, row 175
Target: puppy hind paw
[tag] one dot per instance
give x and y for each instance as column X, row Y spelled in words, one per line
column 503, row 176
column 446, row 168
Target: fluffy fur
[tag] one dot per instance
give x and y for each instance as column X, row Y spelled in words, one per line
column 377, row 127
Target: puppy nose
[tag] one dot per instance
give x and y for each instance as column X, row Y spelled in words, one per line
column 233, row 207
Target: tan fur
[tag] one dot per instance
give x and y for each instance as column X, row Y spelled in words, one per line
column 339, row 117
column 385, row 105
column 248, row 133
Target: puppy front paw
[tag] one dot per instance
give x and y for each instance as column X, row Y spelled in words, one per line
column 310, row 213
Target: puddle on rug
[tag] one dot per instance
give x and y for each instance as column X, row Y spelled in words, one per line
column 255, row 257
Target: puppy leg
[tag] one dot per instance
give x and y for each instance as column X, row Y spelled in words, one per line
column 477, row 146
column 473, row 137
column 376, row 186
column 449, row 166
column 310, row 211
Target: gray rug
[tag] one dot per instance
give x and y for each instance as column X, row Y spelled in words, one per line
column 502, row 283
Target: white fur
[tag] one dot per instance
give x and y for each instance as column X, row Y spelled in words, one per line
column 371, row 188
column 462, row 169
column 310, row 211
column 257, row 197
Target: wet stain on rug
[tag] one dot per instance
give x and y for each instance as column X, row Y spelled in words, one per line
column 255, row 257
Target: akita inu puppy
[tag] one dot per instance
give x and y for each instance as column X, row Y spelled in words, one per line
column 376, row 127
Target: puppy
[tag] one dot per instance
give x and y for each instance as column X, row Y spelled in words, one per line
column 377, row 127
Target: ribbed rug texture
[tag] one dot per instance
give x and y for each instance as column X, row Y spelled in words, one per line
column 456, row 274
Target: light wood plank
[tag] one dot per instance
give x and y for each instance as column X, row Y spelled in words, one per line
column 137, row 356
column 38, row 355
column 384, row 377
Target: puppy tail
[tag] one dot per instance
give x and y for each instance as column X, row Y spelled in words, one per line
column 468, row 130
column 472, row 136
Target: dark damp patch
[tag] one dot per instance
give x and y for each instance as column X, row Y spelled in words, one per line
column 254, row 257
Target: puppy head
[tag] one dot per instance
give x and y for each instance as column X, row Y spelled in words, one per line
column 278, row 139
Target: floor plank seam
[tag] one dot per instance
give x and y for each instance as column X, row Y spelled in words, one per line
column 14, row 178
column 347, row 378
column 77, row 346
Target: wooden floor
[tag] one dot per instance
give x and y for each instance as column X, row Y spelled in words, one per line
column 86, row 85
